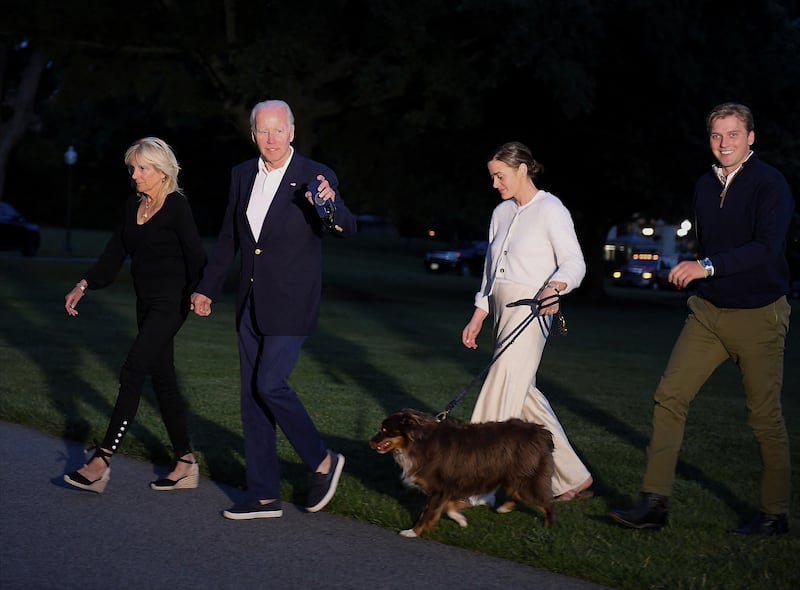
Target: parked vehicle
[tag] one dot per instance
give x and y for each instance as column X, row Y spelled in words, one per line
column 464, row 258
column 645, row 269
column 16, row 232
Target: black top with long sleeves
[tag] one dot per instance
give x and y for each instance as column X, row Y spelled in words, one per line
column 166, row 252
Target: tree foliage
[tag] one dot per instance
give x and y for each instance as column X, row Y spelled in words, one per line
column 403, row 98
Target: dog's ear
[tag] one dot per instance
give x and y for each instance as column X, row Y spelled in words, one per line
column 415, row 424
column 407, row 421
column 411, row 418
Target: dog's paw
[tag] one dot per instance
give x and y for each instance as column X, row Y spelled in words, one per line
column 408, row 533
column 458, row 517
column 505, row 508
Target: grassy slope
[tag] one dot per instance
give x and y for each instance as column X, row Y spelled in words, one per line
column 389, row 338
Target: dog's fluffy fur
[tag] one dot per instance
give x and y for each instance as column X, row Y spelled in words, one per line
column 450, row 461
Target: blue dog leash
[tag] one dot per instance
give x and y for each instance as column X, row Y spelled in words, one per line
column 536, row 305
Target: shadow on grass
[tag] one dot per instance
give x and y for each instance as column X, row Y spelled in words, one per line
column 411, row 320
column 615, row 427
column 58, row 344
column 335, row 351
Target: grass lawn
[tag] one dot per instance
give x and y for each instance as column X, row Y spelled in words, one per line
column 389, row 337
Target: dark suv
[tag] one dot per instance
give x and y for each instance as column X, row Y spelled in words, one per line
column 464, row 258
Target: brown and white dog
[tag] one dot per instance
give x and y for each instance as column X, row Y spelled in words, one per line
column 450, row 461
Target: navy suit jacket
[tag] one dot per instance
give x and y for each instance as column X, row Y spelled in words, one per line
column 283, row 266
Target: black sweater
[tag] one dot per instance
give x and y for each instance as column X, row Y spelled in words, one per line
column 167, row 255
column 746, row 237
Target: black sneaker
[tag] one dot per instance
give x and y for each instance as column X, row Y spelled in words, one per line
column 323, row 485
column 254, row 509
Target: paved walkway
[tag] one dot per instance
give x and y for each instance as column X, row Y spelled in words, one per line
column 54, row 536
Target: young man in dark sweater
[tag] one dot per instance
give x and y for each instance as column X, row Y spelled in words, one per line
column 743, row 209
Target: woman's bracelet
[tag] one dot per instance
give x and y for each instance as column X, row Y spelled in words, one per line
column 81, row 286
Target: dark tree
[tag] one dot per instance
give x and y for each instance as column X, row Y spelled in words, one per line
column 404, row 99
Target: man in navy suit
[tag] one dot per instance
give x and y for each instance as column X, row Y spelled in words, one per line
column 271, row 219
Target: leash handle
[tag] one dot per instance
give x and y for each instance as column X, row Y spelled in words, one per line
column 537, row 305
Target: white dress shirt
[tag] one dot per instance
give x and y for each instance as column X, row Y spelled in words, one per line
column 264, row 189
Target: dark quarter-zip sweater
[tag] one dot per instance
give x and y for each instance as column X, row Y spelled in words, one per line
column 745, row 237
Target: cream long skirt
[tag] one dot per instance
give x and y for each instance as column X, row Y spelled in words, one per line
column 509, row 390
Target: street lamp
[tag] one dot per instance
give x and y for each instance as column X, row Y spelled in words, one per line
column 70, row 158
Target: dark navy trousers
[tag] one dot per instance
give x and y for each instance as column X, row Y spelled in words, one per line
column 266, row 362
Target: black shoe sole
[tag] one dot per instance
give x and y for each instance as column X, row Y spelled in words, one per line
column 333, row 485
column 648, row 526
column 755, row 533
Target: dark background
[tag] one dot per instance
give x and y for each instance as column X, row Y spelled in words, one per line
column 403, row 98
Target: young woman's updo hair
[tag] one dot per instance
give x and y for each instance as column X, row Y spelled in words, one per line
column 156, row 153
column 515, row 153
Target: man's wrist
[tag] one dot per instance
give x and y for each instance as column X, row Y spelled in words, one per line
column 708, row 266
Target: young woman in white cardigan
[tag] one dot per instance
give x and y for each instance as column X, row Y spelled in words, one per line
column 533, row 254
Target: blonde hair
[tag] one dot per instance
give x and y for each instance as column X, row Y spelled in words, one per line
column 731, row 109
column 157, row 153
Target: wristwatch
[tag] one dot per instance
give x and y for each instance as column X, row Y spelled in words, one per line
column 707, row 266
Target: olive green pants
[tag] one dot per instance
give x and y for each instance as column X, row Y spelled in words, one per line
column 754, row 339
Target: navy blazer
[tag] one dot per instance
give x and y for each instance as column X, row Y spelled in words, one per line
column 283, row 266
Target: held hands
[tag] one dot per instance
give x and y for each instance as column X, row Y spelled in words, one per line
column 685, row 272
column 325, row 190
column 200, row 304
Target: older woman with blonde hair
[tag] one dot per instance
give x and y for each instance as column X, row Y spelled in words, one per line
column 159, row 235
